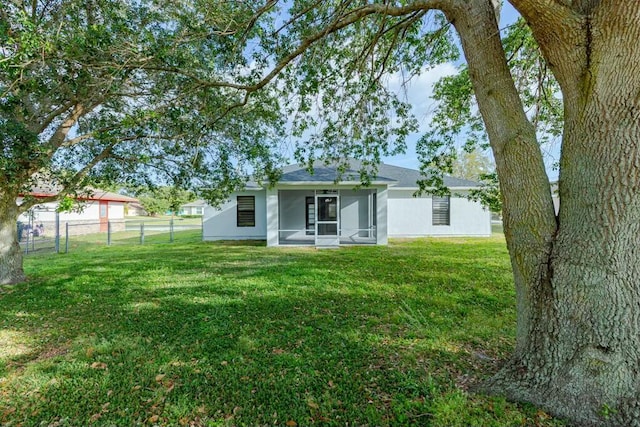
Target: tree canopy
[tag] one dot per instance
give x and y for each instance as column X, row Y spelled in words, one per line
column 159, row 200
column 135, row 91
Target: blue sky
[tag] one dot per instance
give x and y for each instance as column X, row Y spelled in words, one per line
column 418, row 94
column 420, row 90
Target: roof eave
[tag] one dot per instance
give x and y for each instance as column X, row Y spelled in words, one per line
column 431, row 188
column 341, row 183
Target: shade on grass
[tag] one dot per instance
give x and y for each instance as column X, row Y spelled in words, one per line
column 201, row 333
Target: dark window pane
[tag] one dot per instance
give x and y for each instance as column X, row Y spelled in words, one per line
column 441, row 212
column 246, row 211
column 328, row 208
column 327, row 229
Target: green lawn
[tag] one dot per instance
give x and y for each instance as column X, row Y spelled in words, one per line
column 197, row 333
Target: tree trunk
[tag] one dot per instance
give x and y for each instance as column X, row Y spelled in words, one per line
column 582, row 358
column 10, row 254
column 578, row 278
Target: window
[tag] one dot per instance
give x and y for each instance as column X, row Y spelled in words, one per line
column 441, row 212
column 246, row 211
column 310, row 215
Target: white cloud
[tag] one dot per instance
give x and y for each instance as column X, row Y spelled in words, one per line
column 418, row 90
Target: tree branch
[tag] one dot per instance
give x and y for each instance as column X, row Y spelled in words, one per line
column 559, row 28
column 338, row 24
column 62, row 131
column 72, row 183
column 44, row 124
column 543, row 12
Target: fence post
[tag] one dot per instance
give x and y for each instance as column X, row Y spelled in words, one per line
column 108, row 233
column 171, row 230
column 142, row 233
column 26, row 246
column 66, row 237
column 57, row 237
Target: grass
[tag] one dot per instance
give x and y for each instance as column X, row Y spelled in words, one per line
column 216, row 334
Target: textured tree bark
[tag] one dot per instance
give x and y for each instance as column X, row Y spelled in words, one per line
column 10, row 254
column 577, row 276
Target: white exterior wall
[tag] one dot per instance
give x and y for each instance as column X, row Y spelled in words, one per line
column 272, row 217
column 383, row 216
column 221, row 223
column 411, row 217
column 292, row 213
column 90, row 211
column 399, row 214
column 46, row 212
column 354, row 213
column 116, row 210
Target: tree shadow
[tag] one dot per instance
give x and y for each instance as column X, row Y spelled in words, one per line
column 214, row 333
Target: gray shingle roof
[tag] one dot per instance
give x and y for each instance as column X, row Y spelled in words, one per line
column 394, row 175
column 325, row 174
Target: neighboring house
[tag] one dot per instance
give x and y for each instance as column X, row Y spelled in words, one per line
column 311, row 209
column 134, row 209
column 193, row 208
column 98, row 209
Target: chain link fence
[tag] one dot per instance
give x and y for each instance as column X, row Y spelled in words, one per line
column 38, row 235
column 39, row 231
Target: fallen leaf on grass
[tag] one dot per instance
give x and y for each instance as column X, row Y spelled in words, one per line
column 98, row 365
column 154, row 418
column 160, row 377
column 169, row 385
column 291, row 423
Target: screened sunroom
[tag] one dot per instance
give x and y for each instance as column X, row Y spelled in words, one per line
column 327, row 217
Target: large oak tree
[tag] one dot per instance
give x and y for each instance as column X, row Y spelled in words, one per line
column 139, row 92
column 576, row 274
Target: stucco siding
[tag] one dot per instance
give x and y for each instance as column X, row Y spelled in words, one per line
column 292, row 213
column 354, row 213
column 116, row 210
column 410, row 216
column 221, row 223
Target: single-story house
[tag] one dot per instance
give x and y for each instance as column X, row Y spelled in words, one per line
column 312, row 209
column 98, row 209
column 134, row 209
column 193, row 208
